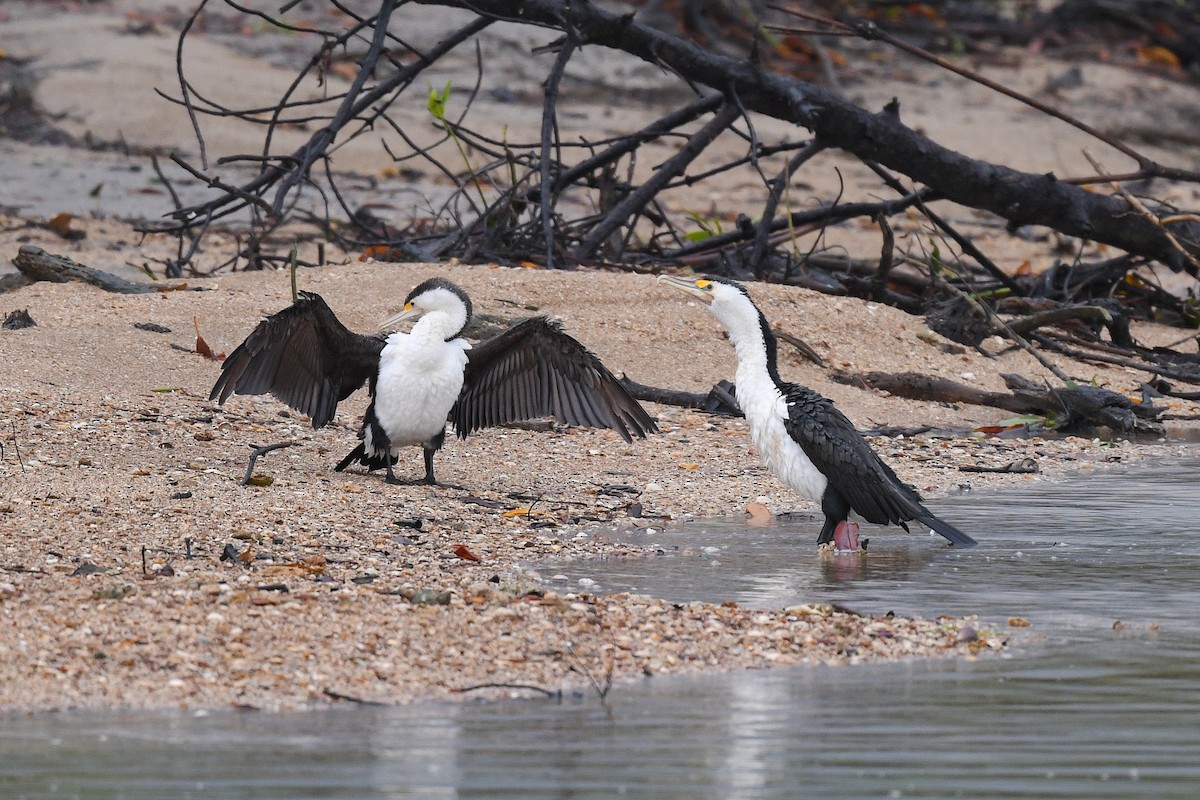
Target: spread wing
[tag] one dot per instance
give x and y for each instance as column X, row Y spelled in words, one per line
column 534, row 369
column 303, row 356
column 841, row 453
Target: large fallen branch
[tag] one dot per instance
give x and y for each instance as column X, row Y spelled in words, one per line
column 38, row 265
column 1020, row 198
column 1072, row 407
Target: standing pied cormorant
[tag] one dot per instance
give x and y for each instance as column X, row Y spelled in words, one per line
column 418, row 380
column 809, row 445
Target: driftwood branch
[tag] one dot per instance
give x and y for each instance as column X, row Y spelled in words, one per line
column 1073, row 407
column 260, row 451
column 38, row 265
column 719, row 400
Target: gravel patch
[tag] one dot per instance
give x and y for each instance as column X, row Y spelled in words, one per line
column 136, row 571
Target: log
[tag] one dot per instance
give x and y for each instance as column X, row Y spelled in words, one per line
column 38, row 265
column 1074, row 406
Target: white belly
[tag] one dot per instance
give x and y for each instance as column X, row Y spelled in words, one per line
column 766, row 411
column 419, row 380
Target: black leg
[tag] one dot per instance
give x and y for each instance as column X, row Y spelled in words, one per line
column 429, row 479
column 391, row 476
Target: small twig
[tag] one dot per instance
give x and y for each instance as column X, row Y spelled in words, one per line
column 775, row 191
column 146, row 549
column 331, row 694
column 886, row 258
column 1032, row 322
column 966, row 244
column 804, row 347
column 1050, row 343
column 557, row 695
column 633, row 203
column 185, row 86
column 261, row 451
column 550, row 136
column 292, row 270
column 601, row 691
column 16, row 447
column 1145, row 212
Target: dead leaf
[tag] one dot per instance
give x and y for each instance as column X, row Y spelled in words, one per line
column 1156, row 55
column 60, row 224
column 526, row 511
column 464, row 552
column 374, row 251
column 202, row 346
column 689, row 466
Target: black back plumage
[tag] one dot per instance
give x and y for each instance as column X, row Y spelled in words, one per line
column 854, row 471
column 305, row 357
column 846, row 459
column 535, row 369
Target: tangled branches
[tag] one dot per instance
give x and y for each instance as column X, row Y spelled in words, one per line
column 563, row 199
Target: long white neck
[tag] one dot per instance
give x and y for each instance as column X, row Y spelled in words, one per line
column 439, row 325
column 754, row 354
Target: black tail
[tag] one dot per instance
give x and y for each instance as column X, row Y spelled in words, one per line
column 947, row 530
column 359, row 455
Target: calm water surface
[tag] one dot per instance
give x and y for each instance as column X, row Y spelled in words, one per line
column 1082, row 707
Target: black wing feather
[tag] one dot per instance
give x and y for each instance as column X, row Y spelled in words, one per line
column 304, row 356
column 534, row 369
column 840, row 452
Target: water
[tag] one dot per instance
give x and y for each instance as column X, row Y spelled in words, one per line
column 1081, row 706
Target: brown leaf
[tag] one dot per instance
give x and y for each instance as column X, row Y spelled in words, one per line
column 202, row 346
column 1158, row 56
column 61, row 224
column 374, row 251
column 464, row 552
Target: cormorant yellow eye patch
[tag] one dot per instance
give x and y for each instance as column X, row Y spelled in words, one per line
column 408, row 306
column 703, row 284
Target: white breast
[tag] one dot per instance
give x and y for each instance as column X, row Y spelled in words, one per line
column 419, row 380
column 765, row 410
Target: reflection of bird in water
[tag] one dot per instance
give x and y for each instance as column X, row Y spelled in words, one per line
column 418, row 380
column 803, row 439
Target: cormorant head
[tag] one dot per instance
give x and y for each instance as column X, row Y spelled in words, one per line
column 728, row 301
column 435, row 295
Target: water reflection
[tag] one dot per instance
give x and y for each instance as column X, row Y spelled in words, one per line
column 1086, row 707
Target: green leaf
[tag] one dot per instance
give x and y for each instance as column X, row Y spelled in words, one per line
column 935, row 259
column 437, row 102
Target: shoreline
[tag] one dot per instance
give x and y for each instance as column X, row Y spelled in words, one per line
column 120, row 450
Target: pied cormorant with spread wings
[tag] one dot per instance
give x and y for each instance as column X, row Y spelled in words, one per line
column 803, row 439
column 419, row 380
